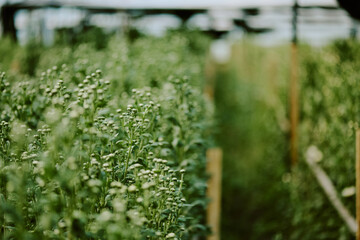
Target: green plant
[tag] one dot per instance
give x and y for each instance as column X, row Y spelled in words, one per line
column 252, row 107
column 88, row 156
column 330, row 116
column 250, row 102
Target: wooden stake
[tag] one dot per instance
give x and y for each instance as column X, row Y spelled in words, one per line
column 210, row 79
column 294, row 95
column 358, row 183
column 214, row 168
column 294, row 106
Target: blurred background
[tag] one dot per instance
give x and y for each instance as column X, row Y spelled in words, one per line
column 320, row 21
column 246, row 54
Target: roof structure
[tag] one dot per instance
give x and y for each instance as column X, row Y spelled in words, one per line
column 165, row 4
column 272, row 17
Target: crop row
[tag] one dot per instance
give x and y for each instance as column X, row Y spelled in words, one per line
column 116, row 153
column 252, row 99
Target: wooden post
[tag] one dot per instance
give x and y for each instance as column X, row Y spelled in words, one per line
column 358, row 183
column 294, row 106
column 294, row 92
column 214, row 168
column 214, row 162
column 210, row 79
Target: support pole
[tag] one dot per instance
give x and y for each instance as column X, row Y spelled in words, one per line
column 213, row 164
column 214, row 168
column 7, row 19
column 353, row 30
column 357, row 183
column 210, row 79
column 294, row 92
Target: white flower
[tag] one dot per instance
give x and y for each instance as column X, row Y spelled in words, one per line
column 132, row 188
column 146, row 185
column 104, row 216
column 170, row 235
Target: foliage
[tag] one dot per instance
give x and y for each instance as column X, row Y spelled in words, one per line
column 8, row 49
column 330, row 116
column 111, row 154
column 85, row 34
column 251, row 114
column 252, row 110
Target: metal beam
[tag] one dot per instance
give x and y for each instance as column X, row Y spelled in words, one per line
column 7, row 16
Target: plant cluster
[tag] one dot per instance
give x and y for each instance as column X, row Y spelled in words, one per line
column 85, row 157
column 329, row 119
column 252, row 100
column 250, row 108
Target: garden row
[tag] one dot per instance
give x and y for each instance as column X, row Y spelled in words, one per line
column 330, row 115
column 104, row 144
column 269, row 200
